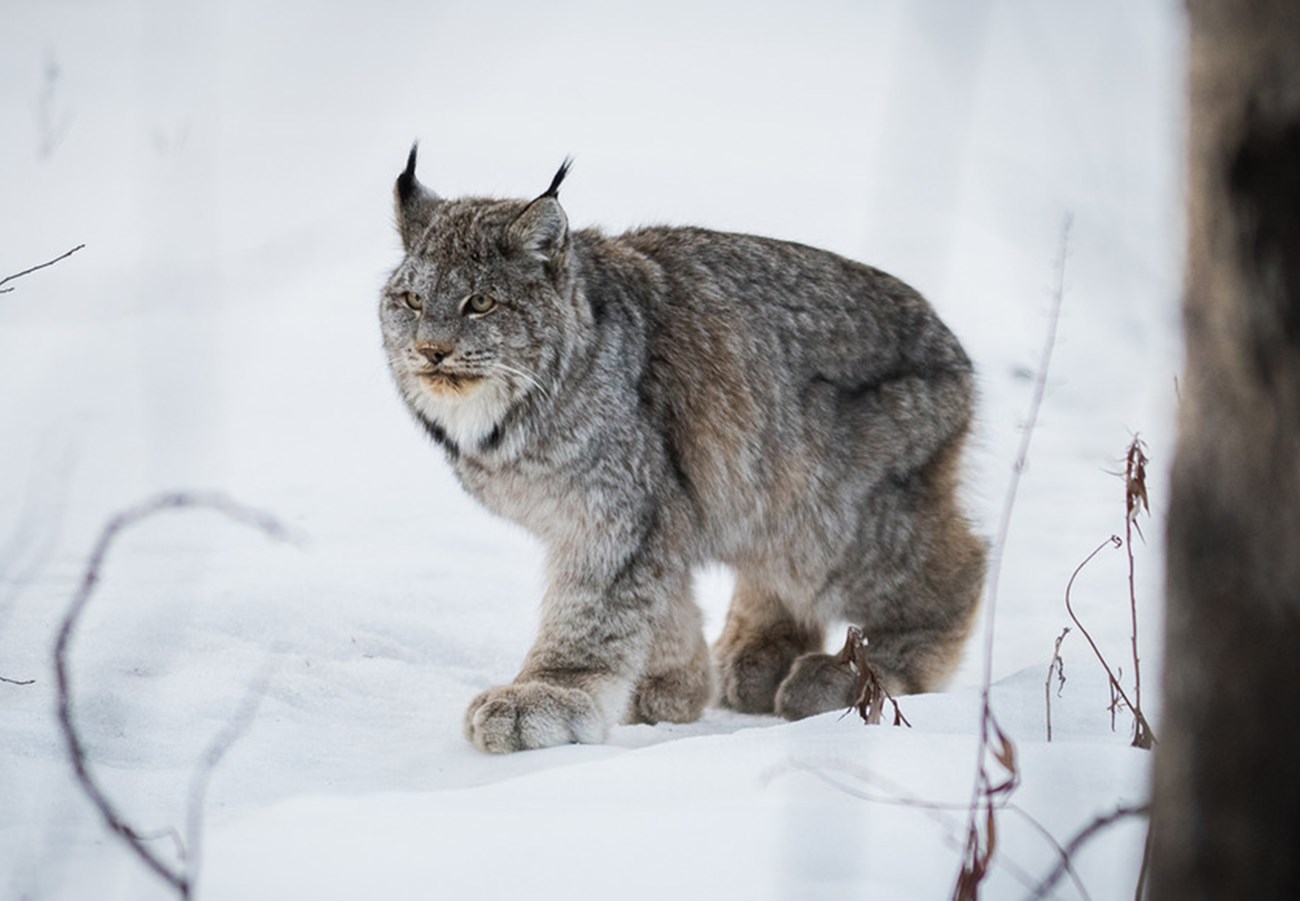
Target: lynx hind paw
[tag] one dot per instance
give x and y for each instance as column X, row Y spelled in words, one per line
column 679, row 696
column 817, row 683
column 532, row 715
column 749, row 676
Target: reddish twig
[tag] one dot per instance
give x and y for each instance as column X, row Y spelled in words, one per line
column 182, row 880
column 1141, row 727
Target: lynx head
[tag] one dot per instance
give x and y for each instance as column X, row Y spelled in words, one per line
column 482, row 312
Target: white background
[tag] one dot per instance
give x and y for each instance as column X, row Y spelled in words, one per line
column 229, row 168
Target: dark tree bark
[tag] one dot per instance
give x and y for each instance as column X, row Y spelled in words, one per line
column 1226, row 821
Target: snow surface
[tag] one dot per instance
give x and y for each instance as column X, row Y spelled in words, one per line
column 229, row 168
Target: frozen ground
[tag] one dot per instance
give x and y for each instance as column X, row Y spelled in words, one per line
column 229, row 168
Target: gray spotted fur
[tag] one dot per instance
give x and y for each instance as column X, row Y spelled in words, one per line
column 649, row 402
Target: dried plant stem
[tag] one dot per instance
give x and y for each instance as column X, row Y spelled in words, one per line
column 180, row 879
column 1057, row 666
column 1135, row 500
column 981, row 841
column 1141, row 727
column 871, row 693
column 62, row 256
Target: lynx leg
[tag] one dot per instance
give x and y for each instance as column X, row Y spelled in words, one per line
column 911, row 581
column 599, row 617
column 759, row 642
column 917, row 632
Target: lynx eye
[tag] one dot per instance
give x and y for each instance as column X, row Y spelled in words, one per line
column 412, row 301
column 479, row 304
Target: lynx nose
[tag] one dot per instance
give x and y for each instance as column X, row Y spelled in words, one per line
column 434, row 353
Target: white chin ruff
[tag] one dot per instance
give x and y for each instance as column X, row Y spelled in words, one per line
column 466, row 417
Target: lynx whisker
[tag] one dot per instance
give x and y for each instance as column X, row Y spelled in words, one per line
column 522, row 373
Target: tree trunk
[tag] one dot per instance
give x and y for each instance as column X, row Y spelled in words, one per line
column 1226, row 821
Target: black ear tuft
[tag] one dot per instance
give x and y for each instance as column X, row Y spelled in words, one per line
column 554, row 189
column 416, row 204
column 406, row 183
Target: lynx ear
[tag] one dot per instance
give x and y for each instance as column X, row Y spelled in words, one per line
column 415, row 203
column 542, row 230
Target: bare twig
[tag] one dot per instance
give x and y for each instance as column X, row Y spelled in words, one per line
column 893, row 795
column 981, row 842
column 1082, row 837
column 1117, row 689
column 167, row 834
column 1064, row 860
column 17, row 681
column 62, row 256
column 1057, row 666
column 181, row 879
column 212, row 757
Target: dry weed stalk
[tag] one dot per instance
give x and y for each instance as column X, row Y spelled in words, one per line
column 1135, row 480
column 1135, row 502
column 1057, row 666
column 872, row 694
column 181, row 878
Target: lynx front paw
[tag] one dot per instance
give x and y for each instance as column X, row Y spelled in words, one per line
column 817, row 683
column 531, row 715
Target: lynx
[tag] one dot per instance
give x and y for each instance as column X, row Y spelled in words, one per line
column 647, row 403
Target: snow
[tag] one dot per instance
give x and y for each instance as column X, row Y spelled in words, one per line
column 229, row 168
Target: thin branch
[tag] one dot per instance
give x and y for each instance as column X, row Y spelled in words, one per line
column 1082, row 837
column 62, row 256
column 938, row 811
column 1022, row 457
column 978, row 852
column 212, row 756
column 182, row 880
column 17, row 681
column 1116, row 687
column 1064, row 860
